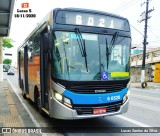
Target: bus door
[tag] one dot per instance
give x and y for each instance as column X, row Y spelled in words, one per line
column 26, row 91
column 44, row 69
column 19, row 69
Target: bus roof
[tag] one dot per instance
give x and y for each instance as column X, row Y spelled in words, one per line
column 91, row 11
column 46, row 18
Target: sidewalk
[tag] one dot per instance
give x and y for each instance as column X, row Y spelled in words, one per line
column 12, row 112
column 151, row 85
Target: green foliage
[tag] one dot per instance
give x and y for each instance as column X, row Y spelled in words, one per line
column 7, row 61
column 7, row 42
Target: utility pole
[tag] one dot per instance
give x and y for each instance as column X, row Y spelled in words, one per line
column 145, row 18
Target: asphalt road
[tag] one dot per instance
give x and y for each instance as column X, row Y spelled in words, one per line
column 144, row 111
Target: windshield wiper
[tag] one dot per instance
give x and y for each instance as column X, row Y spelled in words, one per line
column 82, row 46
column 114, row 38
column 107, row 53
column 109, row 48
column 64, row 43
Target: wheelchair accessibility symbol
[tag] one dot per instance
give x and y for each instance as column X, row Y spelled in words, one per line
column 104, row 75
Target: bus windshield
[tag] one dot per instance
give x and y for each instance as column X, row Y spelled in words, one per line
column 97, row 57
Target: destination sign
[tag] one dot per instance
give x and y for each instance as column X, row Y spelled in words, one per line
column 91, row 19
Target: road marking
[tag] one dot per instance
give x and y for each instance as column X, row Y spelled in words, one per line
column 145, row 106
column 30, row 114
column 142, row 96
column 133, row 121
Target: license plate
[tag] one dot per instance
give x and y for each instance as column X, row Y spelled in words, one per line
column 99, row 111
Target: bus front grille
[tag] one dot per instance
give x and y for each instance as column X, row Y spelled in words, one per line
column 88, row 109
column 93, row 89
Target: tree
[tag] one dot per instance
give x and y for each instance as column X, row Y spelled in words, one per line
column 7, row 61
column 7, row 42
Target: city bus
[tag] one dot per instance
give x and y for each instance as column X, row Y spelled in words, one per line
column 76, row 64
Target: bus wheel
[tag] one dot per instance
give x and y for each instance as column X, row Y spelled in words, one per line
column 39, row 105
column 23, row 93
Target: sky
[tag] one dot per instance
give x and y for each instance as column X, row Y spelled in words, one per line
column 130, row 9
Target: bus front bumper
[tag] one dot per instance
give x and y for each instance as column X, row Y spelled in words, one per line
column 60, row 111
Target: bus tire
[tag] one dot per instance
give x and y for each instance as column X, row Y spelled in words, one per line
column 36, row 95
column 144, row 84
column 23, row 92
column 39, row 105
column 24, row 95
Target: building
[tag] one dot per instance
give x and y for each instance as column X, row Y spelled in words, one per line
column 11, row 54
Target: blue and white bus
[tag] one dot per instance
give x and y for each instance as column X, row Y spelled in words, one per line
column 76, row 64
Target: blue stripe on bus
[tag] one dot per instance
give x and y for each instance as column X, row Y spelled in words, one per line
column 95, row 98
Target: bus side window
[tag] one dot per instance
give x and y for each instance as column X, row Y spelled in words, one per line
column 30, row 54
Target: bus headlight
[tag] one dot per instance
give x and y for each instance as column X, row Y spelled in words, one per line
column 126, row 96
column 128, row 85
column 67, row 102
column 58, row 96
column 62, row 99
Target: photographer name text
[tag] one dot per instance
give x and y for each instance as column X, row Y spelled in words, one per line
column 24, row 11
column 143, row 130
column 27, row 13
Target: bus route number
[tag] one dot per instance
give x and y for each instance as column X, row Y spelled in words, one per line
column 90, row 21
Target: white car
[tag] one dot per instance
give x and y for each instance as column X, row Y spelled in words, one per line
column 10, row 71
